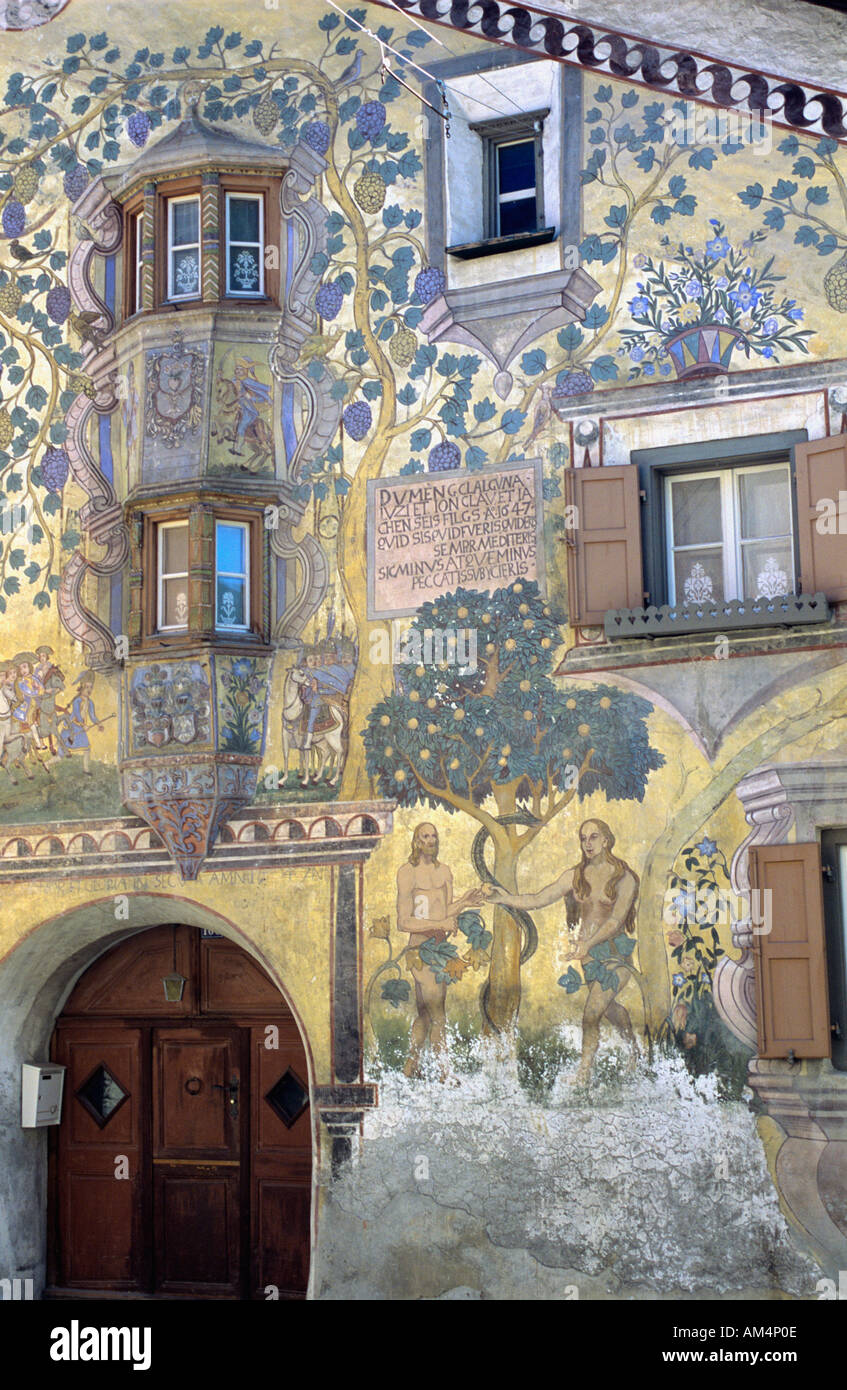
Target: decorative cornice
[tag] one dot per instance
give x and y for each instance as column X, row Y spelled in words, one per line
column 257, row 838
column 674, row 71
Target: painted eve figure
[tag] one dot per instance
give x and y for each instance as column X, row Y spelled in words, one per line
column 600, row 893
column 427, row 910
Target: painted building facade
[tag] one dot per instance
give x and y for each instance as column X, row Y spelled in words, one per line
column 423, row 448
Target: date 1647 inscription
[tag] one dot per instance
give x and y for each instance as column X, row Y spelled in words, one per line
column 430, row 535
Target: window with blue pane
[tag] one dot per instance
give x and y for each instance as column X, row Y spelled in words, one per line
column 516, row 189
column 513, row 182
column 232, row 576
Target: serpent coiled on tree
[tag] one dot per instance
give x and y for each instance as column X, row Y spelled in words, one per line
column 528, row 928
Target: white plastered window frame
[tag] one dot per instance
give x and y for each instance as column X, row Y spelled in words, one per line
column 516, row 96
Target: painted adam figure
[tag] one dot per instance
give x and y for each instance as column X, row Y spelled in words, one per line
column 427, row 910
column 600, row 894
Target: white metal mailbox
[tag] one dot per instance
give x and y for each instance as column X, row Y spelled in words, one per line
column 41, row 1094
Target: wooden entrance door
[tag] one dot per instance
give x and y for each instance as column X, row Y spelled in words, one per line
column 100, row 1199
column 182, row 1166
column 198, row 1199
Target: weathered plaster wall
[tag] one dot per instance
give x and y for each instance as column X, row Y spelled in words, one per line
column 652, row 1190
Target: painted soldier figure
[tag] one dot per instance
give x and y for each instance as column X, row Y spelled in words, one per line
column 28, row 690
column 253, row 396
column 82, row 717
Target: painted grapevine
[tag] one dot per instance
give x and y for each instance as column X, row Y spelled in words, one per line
column 406, row 402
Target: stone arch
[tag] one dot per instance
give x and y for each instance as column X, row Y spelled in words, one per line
column 36, row 978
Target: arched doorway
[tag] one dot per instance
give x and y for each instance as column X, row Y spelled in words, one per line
column 182, row 1166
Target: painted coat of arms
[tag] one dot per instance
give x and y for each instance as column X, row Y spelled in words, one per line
column 171, row 705
column 175, row 382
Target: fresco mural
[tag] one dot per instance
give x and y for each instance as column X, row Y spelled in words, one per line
column 170, row 703
column 241, row 432
column 553, row 893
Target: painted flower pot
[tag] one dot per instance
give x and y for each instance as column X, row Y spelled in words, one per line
column 702, row 350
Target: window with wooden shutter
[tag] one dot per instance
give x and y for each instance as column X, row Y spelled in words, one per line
column 791, row 977
column 821, row 471
column 604, row 548
column 834, row 861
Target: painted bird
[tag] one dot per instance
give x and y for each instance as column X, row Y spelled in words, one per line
column 84, row 326
column 351, row 72
column 317, row 345
column 543, row 412
column 19, row 252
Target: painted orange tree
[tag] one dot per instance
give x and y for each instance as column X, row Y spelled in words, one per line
column 500, row 742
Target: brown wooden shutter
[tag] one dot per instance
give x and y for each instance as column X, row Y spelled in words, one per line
column 793, row 1006
column 821, row 470
column 604, row 550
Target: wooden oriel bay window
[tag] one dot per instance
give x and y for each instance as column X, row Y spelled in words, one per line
column 198, row 573
column 208, row 246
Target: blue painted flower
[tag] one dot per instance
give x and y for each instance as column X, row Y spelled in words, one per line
column 665, row 369
column 708, row 848
column 746, row 296
column 679, row 980
column 648, row 369
column 795, row 314
column 721, row 316
column 770, row 326
column 714, row 222
column 704, row 977
column 636, row 353
column 721, row 282
column 717, row 247
column 684, row 903
column 244, row 667
column 767, row 351
column 640, row 305
column 694, row 289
